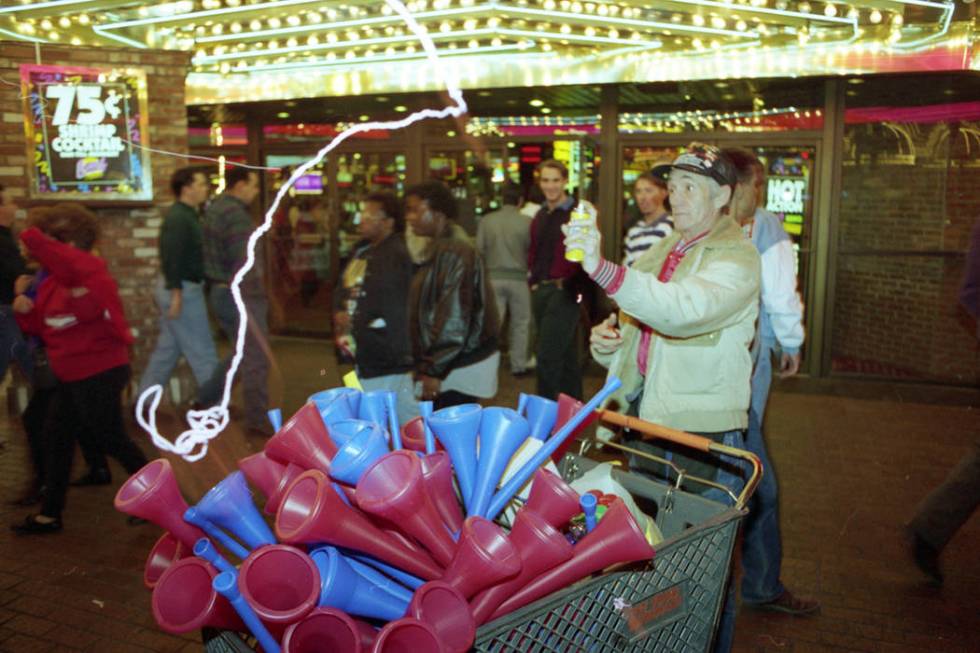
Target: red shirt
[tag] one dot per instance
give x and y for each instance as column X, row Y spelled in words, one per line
column 77, row 312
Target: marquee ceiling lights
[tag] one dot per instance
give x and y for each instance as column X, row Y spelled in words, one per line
column 245, row 38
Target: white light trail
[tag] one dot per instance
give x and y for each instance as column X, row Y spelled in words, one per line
column 205, row 425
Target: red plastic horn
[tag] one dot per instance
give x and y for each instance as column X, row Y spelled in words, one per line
column 312, row 512
column 540, row 546
column 328, row 629
column 288, row 476
column 152, row 494
column 413, row 435
column 485, row 557
column 567, row 407
column 262, row 472
column 552, row 498
column 407, row 635
column 281, row 583
column 392, row 488
column 184, row 601
column 442, row 606
column 167, row 550
column 616, row 539
column 303, row 440
column 437, row 473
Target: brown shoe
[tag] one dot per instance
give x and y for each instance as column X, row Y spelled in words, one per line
column 788, row 603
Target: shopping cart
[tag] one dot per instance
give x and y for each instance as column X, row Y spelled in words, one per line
column 671, row 604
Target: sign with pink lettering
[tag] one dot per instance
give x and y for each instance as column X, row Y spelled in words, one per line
column 87, row 131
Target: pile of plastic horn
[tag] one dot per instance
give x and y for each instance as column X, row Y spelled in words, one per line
column 377, row 537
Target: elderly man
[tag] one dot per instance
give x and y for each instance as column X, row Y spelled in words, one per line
column 689, row 308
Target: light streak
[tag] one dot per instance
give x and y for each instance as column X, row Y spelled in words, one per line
column 205, row 425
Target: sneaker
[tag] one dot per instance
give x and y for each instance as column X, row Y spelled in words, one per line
column 31, row 526
column 94, row 477
column 520, row 373
column 788, row 603
column 926, row 558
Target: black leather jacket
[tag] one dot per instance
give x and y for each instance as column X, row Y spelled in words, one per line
column 453, row 320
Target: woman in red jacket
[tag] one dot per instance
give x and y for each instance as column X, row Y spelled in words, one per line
column 78, row 314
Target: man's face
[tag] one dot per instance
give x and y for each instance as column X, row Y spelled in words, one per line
column 693, row 200
column 373, row 222
column 247, row 191
column 552, row 185
column 196, row 193
column 419, row 216
column 746, row 198
column 649, row 196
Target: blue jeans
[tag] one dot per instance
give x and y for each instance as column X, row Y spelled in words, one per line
column 12, row 344
column 189, row 336
column 254, row 369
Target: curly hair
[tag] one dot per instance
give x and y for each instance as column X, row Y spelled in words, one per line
column 390, row 205
column 68, row 222
column 438, row 196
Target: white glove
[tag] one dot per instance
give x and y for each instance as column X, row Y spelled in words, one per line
column 584, row 235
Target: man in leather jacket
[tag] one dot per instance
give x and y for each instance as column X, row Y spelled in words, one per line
column 453, row 320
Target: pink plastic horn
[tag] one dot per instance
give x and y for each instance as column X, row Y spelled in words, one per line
column 288, row 476
column 437, row 473
column 313, row 512
column 304, row 441
column 616, row 539
column 553, row 498
column 167, row 550
column 540, row 546
column 485, row 557
column 184, row 601
column 408, row 635
column 280, row 583
column 567, row 407
column 442, row 606
column 392, row 488
column 328, row 629
column 152, row 494
column 262, row 472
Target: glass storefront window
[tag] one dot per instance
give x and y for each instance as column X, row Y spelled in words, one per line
column 908, row 203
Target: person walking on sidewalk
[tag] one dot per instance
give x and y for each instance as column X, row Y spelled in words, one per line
column 79, row 315
column 227, row 228
column 503, row 239
column 179, row 292
column 779, row 332
column 941, row 514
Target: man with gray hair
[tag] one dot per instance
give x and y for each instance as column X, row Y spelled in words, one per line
column 687, row 309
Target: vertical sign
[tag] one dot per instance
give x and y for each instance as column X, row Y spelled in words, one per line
column 84, row 130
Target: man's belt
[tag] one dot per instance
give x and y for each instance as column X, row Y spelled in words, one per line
column 557, row 283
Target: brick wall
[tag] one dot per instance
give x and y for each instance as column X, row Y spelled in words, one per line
column 129, row 235
column 896, row 313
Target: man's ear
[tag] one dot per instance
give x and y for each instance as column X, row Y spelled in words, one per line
column 722, row 196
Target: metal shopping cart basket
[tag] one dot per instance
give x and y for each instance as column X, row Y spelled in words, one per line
column 673, row 603
column 670, row 605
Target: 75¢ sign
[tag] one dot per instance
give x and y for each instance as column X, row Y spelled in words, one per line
column 86, row 130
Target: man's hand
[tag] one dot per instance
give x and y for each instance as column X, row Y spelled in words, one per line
column 586, row 237
column 789, row 365
column 605, row 337
column 430, row 387
column 176, row 304
column 22, row 283
column 23, row 304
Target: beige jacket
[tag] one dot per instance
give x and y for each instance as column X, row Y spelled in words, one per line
column 703, row 321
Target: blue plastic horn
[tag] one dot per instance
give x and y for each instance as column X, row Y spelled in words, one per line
column 374, row 408
column 502, row 432
column 522, row 402
column 336, row 404
column 371, row 574
column 523, row 475
column 205, row 550
column 228, row 505
column 457, row 427
column 358, row 453
column 275, row 418
column 342, row 431
column 541, row 414
column 402, row 577
column 192, row 516
column 394, row 426
column 345, row 589
column 588, row 503
column 425, row 411
column 226, row 584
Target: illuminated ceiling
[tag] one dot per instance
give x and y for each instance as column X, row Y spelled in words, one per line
column 262, row 49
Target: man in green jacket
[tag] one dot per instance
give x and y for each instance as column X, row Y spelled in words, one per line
column 688, row 310
column 179, row 292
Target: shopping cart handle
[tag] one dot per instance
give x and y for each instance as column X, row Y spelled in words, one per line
column 651, row 431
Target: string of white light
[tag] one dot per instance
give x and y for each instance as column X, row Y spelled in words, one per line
column 205, row 425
